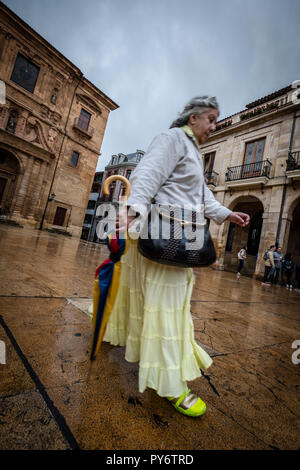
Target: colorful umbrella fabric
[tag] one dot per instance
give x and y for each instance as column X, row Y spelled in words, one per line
column 106, row 282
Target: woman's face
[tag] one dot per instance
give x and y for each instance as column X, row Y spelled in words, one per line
column 203, row 124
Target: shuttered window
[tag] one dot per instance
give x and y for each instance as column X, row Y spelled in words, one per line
column 84, row 120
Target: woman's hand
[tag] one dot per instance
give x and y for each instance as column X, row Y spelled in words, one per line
column 239, row 218
column 124, row 220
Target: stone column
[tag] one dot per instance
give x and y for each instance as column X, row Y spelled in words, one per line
column 33, row 190
column 20, row 199
column 4, row 114
column 219, row 234
column 40, row 192
column 21, row 123
column 267, row 238
column 285, row 232
column 8, row 52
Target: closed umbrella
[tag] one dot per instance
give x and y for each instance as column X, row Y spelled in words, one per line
column 107, row 277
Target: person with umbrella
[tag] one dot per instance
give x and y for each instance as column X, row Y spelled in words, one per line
column 151, row 314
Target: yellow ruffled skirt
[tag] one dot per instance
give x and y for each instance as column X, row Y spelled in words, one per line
column 151, row 318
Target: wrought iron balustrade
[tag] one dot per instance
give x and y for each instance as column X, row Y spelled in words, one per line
column 293, row 161
column 249, row 170
column 211, row 177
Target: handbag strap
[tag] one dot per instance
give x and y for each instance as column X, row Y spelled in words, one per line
column 175, row 219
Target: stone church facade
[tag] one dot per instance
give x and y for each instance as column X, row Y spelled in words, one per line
column 252, row 164
column 52, row 122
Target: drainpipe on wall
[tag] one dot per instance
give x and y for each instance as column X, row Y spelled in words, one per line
column 59, row 153
column 285, row 184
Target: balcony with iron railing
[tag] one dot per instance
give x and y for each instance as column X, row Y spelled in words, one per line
column 211, row 177
column 293, row 166
column 249, row 174
column 293, row 161
column 83, row 128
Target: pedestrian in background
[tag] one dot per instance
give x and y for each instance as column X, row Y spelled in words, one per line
column 276, row 271
column 288, row 269
column 242, row 255
column 269, row 264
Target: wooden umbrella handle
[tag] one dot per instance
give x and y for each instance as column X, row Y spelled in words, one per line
column 112, row 178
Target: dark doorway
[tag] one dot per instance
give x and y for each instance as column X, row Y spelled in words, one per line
column 239, row 237
column 9, row 171
column 60, row 216
column 2, row 187
column 254, row 233
column 294, row 237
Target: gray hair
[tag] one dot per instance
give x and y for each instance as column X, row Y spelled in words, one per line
column 197, row 105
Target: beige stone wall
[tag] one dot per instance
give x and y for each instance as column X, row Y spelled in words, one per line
column 46, row 131
column 229, row 145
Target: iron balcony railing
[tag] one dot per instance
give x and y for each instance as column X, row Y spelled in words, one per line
column 293, row 161
column 249, row 170
column 211, row 177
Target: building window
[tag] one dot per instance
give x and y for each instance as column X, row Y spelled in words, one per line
column 84, row 120
column 60, row 215
column 253, row 157
column 88, row 219
column 74, row 158
column 96, row 188
column 209, row 159
column 25, row 73
column 91, row 204
column 111, row 191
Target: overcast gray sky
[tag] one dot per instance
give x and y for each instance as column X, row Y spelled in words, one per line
column 152, row 56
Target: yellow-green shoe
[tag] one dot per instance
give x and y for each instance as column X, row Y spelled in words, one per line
column 188, row 404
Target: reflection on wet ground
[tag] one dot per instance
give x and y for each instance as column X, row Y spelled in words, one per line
column 251, row 390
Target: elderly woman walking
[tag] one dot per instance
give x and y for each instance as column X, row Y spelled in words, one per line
column 151, row 316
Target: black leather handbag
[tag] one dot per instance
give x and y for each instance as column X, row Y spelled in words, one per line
column 175, row 248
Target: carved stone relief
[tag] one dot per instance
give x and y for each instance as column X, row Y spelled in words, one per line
column 52, row 136
column 31, row 131
column 12, row 121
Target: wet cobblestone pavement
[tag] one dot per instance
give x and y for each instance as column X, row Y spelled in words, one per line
column 251, row 390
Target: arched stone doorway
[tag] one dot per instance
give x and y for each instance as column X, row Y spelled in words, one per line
column 293, row 245
column 9, row 171
column 238, row 237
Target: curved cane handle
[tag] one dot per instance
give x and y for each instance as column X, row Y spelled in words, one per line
column 112, row 178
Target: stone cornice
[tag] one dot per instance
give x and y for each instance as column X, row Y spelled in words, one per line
column 99, row 95
column 85, row 99
column 31, row 110
column 51, row 124
column 252, row 122
column 121, row 165
column 22, row 145
column 82, row 144
column 17, row 28
column 22, row 32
